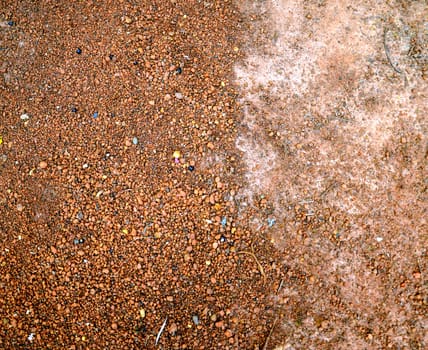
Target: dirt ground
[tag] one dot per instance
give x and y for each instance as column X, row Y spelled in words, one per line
column 213, row 174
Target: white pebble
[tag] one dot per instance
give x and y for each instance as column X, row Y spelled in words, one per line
column 25, row 116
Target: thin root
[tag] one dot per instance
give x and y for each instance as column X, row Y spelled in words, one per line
column 270, row 333
column 261, row 270
column 388, row 56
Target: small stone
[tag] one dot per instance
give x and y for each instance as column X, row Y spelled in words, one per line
column 79, row 51
column 228, row 333
column 24, row 116
column 176, row 154
column 11, row 23
column 172, row 328
column 195, row 319
column 179, row 70
column 169, row 298
column 74, row 109
column 191, row 168
column 95, row 115
column 219, row 324
column 142, row 313
column 135, row 141
column 179, row 95
column 127, row 20
column 80, row 215
column 128, row 143
column 210, row 145
column 43, row 165
column 19, row 207
column 114, row 326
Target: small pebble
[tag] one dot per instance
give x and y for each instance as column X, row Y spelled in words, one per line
column 11, row 23
column 43, row 165
column 85, row 166
column 25, row 116
column 179, row 70
column 191, row 168
column 195, row 319
column 95, row 115
column 271, row 222
column 80, row 215
column 74, row 109
column 176, row 154
column 223, row 221
column 76, row 241
column 223, row 239
column 135, row 141
column 179, row 95
column 79, row 51
column 127, row 20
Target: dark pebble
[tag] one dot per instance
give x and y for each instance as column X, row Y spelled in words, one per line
column 11, row 23
column 179, row 70
column 111, row 56
column 81, row 240
column 135, row 63
column 74, row 109
column 79, row 51
column 191, row 168
column 223, row 239
column 95, row 115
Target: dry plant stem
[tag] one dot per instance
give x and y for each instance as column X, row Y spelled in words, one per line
column 270, row 333
column 161, row 330
column 387, row 54
column 262, row 271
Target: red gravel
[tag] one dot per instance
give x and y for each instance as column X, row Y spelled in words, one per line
column 129, row 219
column 104, row 234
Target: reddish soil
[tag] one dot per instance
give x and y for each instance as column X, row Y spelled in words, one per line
column 130, row 217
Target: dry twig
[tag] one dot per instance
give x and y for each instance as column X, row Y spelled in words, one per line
column 388, row 56
column 270, row 333
column 261, row 270
column 161, row 330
